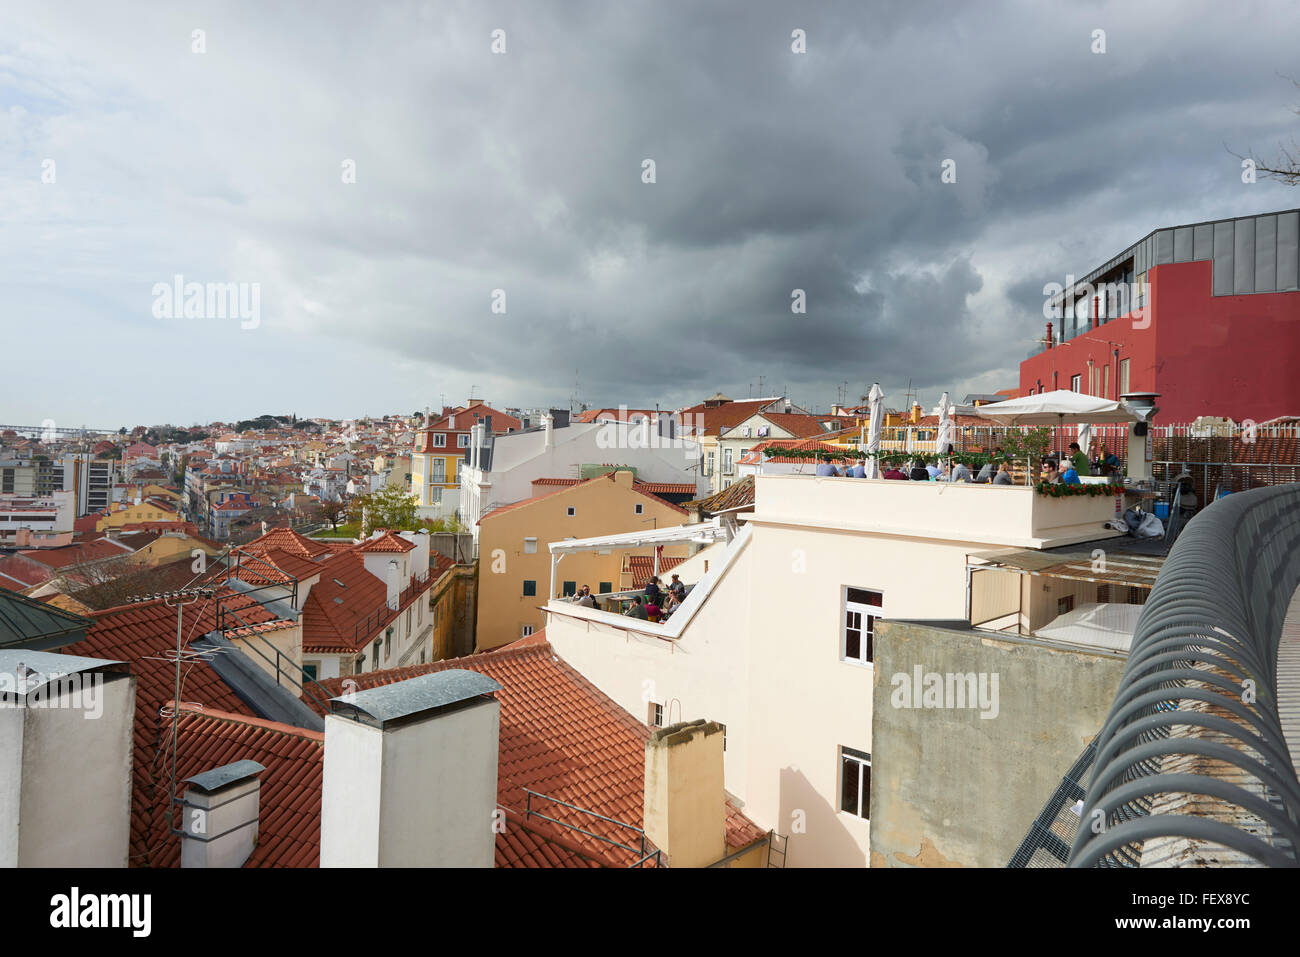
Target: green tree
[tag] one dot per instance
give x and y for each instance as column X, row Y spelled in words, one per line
column 390, row 507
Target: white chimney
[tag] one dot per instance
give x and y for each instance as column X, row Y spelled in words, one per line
column 451, row 421
column 685, row 804
column 220, row 814
column 394, row 581
column 65, row 760
column 548, row 425
column 410, row 777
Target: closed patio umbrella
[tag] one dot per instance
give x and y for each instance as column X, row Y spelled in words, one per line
column 876, row 409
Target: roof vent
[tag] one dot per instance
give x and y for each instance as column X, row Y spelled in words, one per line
column 220, row 816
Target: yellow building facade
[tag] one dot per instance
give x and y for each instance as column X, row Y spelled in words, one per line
column 515, row 563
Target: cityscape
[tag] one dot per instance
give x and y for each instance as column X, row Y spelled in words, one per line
column 454, row 503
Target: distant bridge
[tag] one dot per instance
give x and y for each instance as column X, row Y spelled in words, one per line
column 46, row 430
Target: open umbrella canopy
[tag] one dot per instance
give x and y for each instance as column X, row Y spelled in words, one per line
column 1061, row 407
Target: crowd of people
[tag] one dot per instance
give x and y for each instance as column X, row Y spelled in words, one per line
column 996, row 471
column 657, row 603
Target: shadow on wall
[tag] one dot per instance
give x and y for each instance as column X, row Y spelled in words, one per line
column 817, row 836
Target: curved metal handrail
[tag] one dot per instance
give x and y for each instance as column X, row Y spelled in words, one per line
column 1199, row 697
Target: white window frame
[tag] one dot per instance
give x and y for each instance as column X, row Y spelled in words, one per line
column 728, row 461
column 440, row 440
column 708, row 463
column 462, row 441
column 437, row 470
column 640, row 508
column 1076, row 383
column 571, row 511
column 861, row 760
column 525, row 631
column 655, row 718
column 530, row 546
column 868, row 615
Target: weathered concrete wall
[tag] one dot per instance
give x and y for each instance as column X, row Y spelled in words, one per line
column 950, row 788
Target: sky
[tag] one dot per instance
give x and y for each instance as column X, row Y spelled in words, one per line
column 417, row 215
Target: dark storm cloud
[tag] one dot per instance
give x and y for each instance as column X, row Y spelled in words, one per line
column 775, row 171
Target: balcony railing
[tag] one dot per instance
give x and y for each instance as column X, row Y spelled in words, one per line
column 1192, row 757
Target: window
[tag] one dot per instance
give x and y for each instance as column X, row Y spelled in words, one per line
column 530, row 588
column 462, row 441
column 440, row 440
column 861, row 609
column 437, row 470
column 1075, row 382
column 1123, row 376
column 855, row 782
column 656, row 719
column 1065, row 604
column 530, row 546
column 309, row 672
column 1105, row 382
column 408, row 621
column 525, row 631
column 570, row 511
column 375, row 653
column 606, row 588
column 570, row 589
column 640, row 509
column 708, row 464
column 728, row 465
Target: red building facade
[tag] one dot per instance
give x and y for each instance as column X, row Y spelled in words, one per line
column 1207, row 315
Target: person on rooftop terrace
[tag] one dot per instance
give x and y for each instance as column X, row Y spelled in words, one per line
column 933, row 468
column 678, row 588
column 859, row 470
column 637, row 610
column 1004, row 474
column 652, row 589
column 1051, row 474
column 1079, row 459
column 893, row 473
column 827, row 468
column 919, row 472
column 990, row 468
column 584, row 597
column 960, row 473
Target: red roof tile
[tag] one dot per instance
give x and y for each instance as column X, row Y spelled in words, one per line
column 562, row 737
column 388, row 541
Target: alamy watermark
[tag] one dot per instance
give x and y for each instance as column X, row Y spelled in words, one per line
column 930, row 689
column 77, row 691
column 208, row 300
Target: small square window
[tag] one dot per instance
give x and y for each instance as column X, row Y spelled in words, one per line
column 462, row 441
column 439, row 440
column 570, row 589
column 570, row 511
column 606, row 587
column 530, row 588
column 525, row 631
column 1065, row 604
column 640, row 509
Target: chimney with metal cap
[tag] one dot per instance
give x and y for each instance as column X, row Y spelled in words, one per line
column 410, row 776
column 685, row 804
column 65, row 759
column 220, row 814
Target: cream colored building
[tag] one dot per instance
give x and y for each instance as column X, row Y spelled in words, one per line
column 515, row 567
column 774, row 639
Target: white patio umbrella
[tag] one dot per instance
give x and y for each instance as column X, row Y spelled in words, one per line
column 1060, row 407
column 876, row 409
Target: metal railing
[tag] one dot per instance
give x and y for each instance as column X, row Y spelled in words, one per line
column 1192, row 755
column 646, row 853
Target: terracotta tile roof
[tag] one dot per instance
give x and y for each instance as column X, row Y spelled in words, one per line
column 620, row 415
column 757, row 454
column 142, row 635
column 641, row 567
column 666, row 488
column 736, row 495
column 561, row 737
column 388, row 541
column 800, row 426
column 637, row 486
column 288, row 831
column 718, row 418
column 79, row 553
column 290, row 541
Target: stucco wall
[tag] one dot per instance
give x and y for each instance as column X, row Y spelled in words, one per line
column 951, row 788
